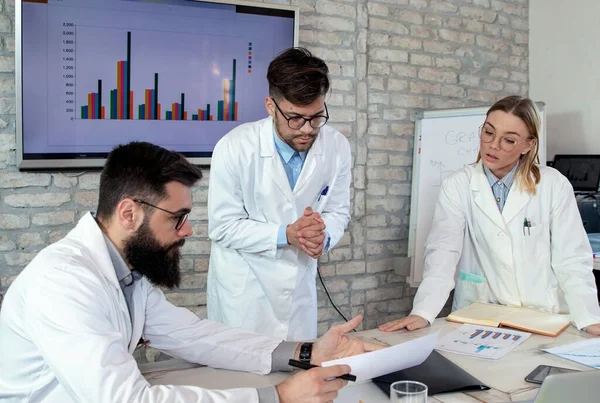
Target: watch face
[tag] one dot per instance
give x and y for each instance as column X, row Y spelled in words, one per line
column 305, row 352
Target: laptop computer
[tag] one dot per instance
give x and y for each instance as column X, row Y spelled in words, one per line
column 577, row 387
column 583, row 171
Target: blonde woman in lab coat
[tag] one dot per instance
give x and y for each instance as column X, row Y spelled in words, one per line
column 507, row 231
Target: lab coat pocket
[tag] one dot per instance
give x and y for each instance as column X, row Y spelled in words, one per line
column 536, row 241
column 470, row 287
column 232, row 275
column 319, row 205
column 321, row 200
column 556, row 300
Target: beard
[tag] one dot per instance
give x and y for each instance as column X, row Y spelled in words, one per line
column 158, row 263
column 289, row 138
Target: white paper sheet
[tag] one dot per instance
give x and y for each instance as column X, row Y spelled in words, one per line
column 482, row 341
column 586, row 352
column 391, row 359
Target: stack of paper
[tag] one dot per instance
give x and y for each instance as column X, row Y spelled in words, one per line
column 585, row 352
column 391, row 359
column 481, row 341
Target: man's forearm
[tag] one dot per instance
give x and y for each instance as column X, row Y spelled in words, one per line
column 282, row 354
column 268, row 394
column 279, row 362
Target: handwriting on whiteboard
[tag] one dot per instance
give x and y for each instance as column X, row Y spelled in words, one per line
column 443, row 172
column 453, row 137
column 464, row 143
column 437, row 164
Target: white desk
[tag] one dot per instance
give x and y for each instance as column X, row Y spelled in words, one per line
column 505, row 377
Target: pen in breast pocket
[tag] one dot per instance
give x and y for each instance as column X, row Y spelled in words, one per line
column 526, row 226
column 323, row 192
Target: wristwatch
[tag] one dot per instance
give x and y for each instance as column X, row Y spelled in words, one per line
column 306, row 352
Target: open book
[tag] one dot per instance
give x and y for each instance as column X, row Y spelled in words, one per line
column 526, row 319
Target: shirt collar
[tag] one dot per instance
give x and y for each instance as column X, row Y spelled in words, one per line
column 285, row 151
column 125, row 276
column 506, row 181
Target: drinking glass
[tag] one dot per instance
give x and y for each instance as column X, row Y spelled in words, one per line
column 408, row 392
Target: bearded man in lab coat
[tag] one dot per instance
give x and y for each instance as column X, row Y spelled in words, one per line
column 72, row 319
column 278, row 198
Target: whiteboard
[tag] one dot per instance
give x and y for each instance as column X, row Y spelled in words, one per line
column 445, row 141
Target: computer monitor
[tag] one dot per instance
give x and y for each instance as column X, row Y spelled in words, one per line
column 583, row 171
column 93, row 74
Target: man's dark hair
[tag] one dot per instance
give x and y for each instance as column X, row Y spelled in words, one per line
column 298, row 76
column 141, row 170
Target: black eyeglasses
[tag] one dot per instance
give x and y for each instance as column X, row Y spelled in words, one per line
column 181, row 217
column 298, row 122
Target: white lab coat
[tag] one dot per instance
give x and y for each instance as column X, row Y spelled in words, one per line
column 497, row 260
column 251, row 283
column 67, row 335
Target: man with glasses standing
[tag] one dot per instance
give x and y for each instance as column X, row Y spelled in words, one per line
column 279, row 197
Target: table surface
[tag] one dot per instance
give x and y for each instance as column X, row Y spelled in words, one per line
column 505, row 376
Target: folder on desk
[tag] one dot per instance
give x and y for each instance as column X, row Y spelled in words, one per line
column 437, row 372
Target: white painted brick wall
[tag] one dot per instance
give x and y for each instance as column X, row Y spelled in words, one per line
column 388, row 58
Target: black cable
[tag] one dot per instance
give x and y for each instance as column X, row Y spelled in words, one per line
column 329, row 296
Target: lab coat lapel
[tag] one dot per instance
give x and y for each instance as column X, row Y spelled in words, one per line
column 310, row 164
column 272, row 161
column 89, row 234
column 484, row 197
column 516, row 201
column 139, row 318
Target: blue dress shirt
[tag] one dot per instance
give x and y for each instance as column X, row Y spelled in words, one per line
column 128, row 279
column 501, row 187
column 292, row 160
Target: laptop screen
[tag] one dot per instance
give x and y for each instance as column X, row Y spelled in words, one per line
column 583, row 171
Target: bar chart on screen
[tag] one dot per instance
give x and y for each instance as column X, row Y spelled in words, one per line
column 480, row 341
column 180, row 74
column 145, row 85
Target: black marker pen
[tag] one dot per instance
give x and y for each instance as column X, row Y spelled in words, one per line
column 304, row 365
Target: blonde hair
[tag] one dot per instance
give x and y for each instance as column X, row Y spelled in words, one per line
column 528, row 173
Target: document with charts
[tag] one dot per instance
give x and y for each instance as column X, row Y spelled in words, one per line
column 586, row 352
column 481, row 341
